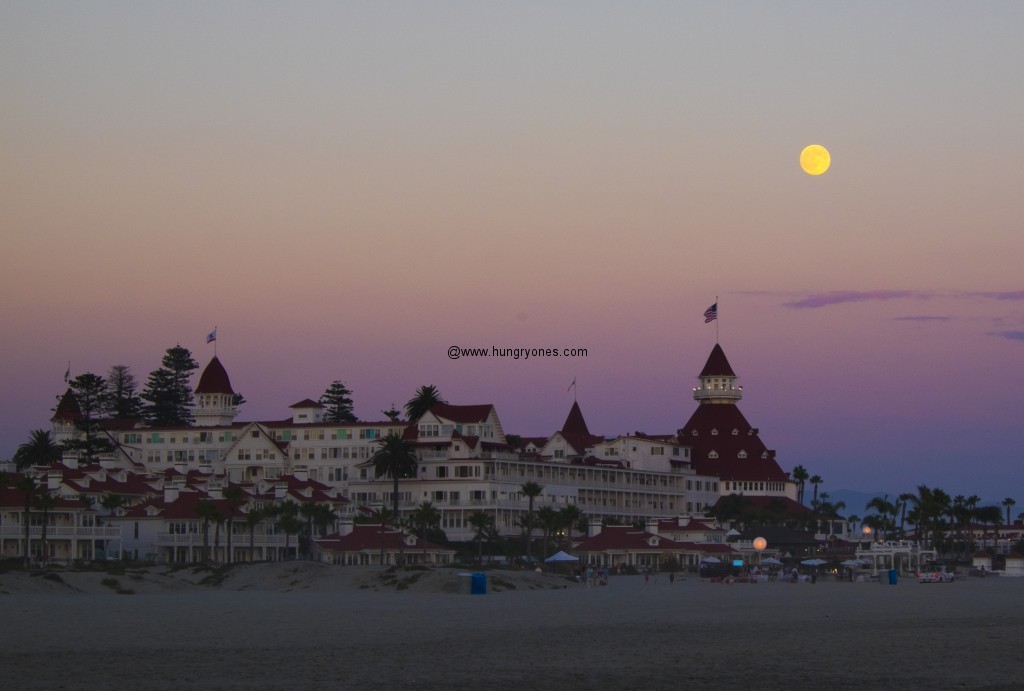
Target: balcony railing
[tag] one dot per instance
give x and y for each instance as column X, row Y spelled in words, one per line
column 56, row 532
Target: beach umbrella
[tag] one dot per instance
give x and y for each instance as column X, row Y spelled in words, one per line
column 771, row 560
column 852, row 562
column 711, row 560
column 560, row 557
column 813, row 562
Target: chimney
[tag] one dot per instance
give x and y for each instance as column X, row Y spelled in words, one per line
column 684, row 521
column 345, row 525
column 181, row 467
column 594, row 528
column 651, row 526
column 301, row 473
column 170, row 495
column 280, row 489
column 53, row 479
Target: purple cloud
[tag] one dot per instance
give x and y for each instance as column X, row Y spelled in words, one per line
column 839, row 297
column 922, row 318
column 1013, row 335
column 1004, row 295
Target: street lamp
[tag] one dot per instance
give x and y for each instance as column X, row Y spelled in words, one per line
column 867, row 534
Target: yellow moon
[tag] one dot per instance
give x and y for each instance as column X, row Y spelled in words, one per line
column 815, row 159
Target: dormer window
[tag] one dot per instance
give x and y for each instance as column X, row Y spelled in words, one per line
column 741, row 454
column 694, row 433
column 714, row 433
column 735, row 432
column 712, row 454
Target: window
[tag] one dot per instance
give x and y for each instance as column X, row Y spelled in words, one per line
column 369, row 433
column 657, row 450
column 255, row 434
column 441, row 471
column 428, row 430
column 559, row 453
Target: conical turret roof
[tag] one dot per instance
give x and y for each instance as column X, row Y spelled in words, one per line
column 67, row 409
column 717, row 365
column 214, row 379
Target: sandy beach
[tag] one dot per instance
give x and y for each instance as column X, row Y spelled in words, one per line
column 301, row 625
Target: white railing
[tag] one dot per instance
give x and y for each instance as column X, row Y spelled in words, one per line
column 196, row 540
column 58, row 532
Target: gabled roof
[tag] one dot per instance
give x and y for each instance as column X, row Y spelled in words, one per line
column 462, row 413
column 717, row 364
column 214, row 379
column 306, row 403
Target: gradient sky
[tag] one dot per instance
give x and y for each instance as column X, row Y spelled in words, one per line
column 346, row 189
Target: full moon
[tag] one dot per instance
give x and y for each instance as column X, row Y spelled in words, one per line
column 815, row 159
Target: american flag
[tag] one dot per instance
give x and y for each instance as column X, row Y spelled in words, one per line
column 711, row 313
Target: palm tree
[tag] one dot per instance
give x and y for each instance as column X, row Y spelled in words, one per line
column 884, row 508
column 28, row 485
column 426, row 397
column 531, row 490
column 904, row 499
column 287, row 515
column 815, row 480
column 40, row 449
column 235, row 498
column 570, row 516
column 44, row 501
column 381, row 517
column 424, row 519
column 395, row 457
column 800, row 476
column 1008, row 503
column 483, row 523
column 208, row 512
column 550, row 522
column 253, row 517
column 990, row 514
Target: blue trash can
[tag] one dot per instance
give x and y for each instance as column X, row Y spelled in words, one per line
column 479, row 585
column 892, row 577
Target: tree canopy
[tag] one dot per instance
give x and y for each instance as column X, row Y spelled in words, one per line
column 122, row 399
column 337, row 403
column 425, row 398
column 168, row 393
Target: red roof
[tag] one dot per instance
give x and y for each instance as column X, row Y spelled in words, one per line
column 67, row 409
column 306, row 403
column 214, row 379
column 722, row 434
column 717, row 364
column 462, row 413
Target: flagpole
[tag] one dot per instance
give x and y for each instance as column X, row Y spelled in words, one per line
column 716, row 320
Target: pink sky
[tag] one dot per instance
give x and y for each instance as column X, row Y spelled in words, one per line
column 346, row 191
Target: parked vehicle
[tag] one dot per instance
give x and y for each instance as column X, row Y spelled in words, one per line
column 935, row 573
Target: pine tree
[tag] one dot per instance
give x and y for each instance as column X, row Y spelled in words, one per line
column 337, row 403
column 91, row 393
column 168, row 392
column 123, row 401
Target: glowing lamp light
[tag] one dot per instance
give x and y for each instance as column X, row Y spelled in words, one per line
column 760, row 543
